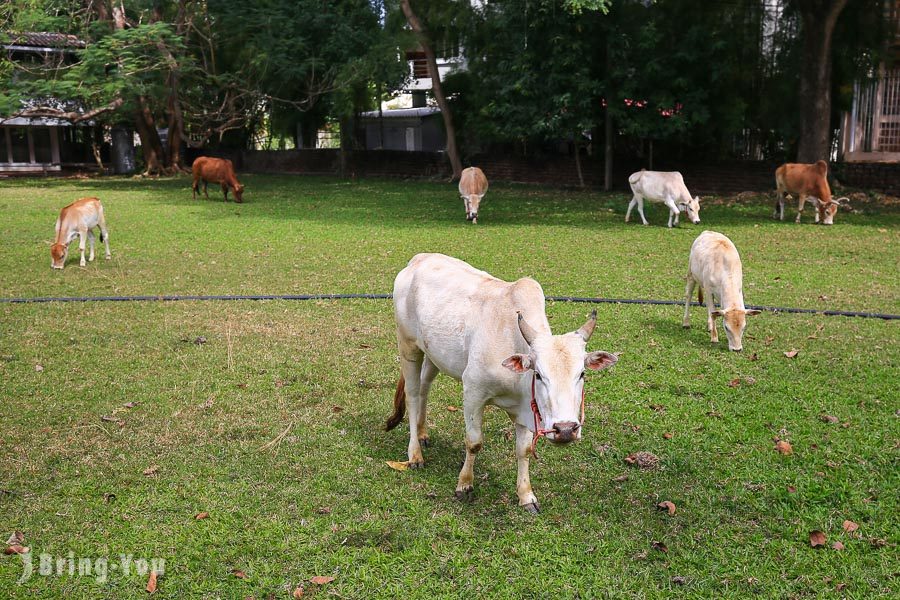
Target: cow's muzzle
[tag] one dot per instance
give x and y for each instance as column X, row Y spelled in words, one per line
column 696, row 221
column 565, row 432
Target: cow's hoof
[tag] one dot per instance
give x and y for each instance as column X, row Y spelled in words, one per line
column 467, row 494
column 424, row 442
column 109, row 258
column 532, row 507
column 685, row 325
column 416, row 464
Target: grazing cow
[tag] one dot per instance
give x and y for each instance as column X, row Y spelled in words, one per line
column 216, row 170
column 494, row 337
column 809, row 182
column 716, row 266
column 665, row 187
column 473, row 185
column 78, row 219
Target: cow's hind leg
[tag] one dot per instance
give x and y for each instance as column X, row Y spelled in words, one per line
column 82, row 238
column 473, row 412
column 688, row 292
column 429, row 372
column 640, row 207
column 205, row 190
column 527, row 499
column 630, row 206
column 411, row 359
column 225, row 191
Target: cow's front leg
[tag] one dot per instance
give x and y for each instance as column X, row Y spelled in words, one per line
column 527, row 499
column 474, row 439
column 673, row 211
column 800, row 205
column 710, row 319
column 82, row 238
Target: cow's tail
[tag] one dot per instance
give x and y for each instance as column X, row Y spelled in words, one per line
column 700, row 294
column 635, row 177
column 399, row 405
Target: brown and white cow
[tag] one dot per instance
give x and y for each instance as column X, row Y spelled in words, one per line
column 666, row 187
column 473, row 185
column 808, row 182
column 494, row 337
column 715, row 265
column 78, row 219
column 216, row 170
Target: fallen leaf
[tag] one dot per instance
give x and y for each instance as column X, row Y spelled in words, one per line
column 201, row 515
column 659, row 546
column 668, row 436
column 784, row 447
column 792, row 353
column 109, row 497
column 769, row 339
column 208, row 403
column 679, row 580
column 749, row 380
column 109, row 419
column 620, row 478
column 38, row 368
column 812, row 336
column 16, row 549
column 850, row 526
column 398, row 465
column 242, row 386
column 878, row 542
column 151, row 582
column 239, row 574
column 658, row 407
column 298, row 593
column 753, row 356
column 199, row 340
column 323, row 510
column 452, row 408
column 791, row 489
column 666, row 506
column 837, row 546
column 280, row 384
column 130, row 404
column 17, row 537
column 734, row 382
column 828, row 419
column 816, row 538
column 321, row 579
column 644, row 460
column 337, row 409
column 839, row 587
column 151, row 470
column 365, row 346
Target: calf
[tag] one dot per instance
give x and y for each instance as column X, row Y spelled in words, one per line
column 473, row 185
column 715, row 265
column 665, row 187
column 78, row 219
column 494, row 337
column 807, row 182
column 216, row 170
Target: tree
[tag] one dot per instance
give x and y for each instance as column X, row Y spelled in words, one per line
column 819, row 19
column 422, row 37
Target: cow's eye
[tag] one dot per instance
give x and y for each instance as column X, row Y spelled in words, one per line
column 538, row 376
column 581, row 376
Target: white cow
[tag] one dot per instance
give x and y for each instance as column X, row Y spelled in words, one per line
column 494, row 337
column 665, row 187
column 473, row 185
column 715, row 264
column 78, row 220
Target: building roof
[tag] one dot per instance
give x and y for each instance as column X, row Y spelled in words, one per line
column 403, row 113
column 42, row 39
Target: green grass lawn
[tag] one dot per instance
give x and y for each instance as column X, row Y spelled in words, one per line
column 273, row 426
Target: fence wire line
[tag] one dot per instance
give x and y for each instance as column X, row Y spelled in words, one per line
column 586, row 300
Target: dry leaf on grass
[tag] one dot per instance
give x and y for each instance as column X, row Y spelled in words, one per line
column 17, row 537
column 659, row 546
column 644, row 460
column 452, row 408
column 151, row 470
column 201, row 515
column 323, row 510
column 16, row 549
column 130, row 404
column 837, row 546
column 668, row 436
column 620, row 478
column 151, row 582
column 784, row 447
column 666, row 506
column 828, row 419
column 337, row 409
column 398, row 465
column 239, row 574
column 734, row 382
column 850, row 526
column 817, row 538
column 791, row 489
column 321, row 579
column 792, row 353
column 753, row 356
column 298, row 593
column 679, row 580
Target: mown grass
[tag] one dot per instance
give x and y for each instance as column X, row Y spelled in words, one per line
column 273, row 425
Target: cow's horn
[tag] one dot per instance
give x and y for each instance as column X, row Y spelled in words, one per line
column 587, row 330
column 527, row 332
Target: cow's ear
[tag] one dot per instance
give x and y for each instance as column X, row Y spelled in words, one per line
column 596, row 361
column 717, row 313
column 752, row 312
column 697, row 199
column 518, row 363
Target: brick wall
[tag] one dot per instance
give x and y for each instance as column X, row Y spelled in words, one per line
column 701, row 178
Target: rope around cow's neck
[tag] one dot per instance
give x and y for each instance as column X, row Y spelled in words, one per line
column 538, row 431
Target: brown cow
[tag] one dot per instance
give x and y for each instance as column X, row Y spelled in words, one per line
column 473, row 185
column 807, row 182
column 78, row 220
column 217, row 170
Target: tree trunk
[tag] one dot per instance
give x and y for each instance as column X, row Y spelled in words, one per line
column 431, row 61
column 608, row 149
column 150, row 142
column 819, row 20
column 578, row 159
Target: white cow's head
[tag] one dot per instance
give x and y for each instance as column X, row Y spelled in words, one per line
column 559, row 363
column 692, row 209
column 735, row 321
column 472, row 201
